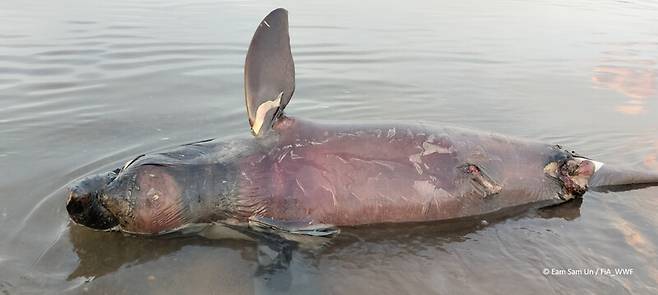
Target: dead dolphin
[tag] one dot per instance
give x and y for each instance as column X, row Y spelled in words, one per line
column 301, row 177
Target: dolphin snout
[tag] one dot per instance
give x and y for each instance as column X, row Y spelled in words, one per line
column 84, row 205
column 77, row 202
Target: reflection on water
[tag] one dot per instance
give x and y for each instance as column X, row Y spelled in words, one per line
column 87, row 84
column 101, row 253
column 651, row 159
column 630, row 73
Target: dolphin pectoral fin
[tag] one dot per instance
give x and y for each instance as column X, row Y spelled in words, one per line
column 293, row 227
column 269, row 72
column 480, row 183
column 221, row 231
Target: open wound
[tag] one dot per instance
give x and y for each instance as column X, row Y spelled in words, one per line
column 482, row 183
column 574, row 175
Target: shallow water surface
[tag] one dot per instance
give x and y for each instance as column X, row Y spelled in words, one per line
column 86, row 85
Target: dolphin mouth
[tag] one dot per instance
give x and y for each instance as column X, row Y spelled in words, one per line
column 91, row 213
column 84, row 203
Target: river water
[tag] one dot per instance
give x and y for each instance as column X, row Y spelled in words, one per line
column 86, row 85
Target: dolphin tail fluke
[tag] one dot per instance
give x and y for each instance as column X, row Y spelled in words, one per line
column 609, row 177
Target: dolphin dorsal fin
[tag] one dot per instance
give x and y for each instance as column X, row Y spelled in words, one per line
column 269, row 72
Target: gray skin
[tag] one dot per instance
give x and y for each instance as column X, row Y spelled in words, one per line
column 310, row 178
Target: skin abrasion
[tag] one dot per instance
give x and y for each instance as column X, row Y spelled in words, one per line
column 158, row 200
column 339, row 175
column 301, row 177
column 267, row 108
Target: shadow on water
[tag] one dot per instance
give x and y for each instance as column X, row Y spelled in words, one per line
column 102, row 253
column 452, row 231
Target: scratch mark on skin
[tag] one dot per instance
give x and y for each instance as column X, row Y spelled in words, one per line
column 319, row 142
column 376, row 178
column 356, row 196
column 430, row 191
column 341, row 158
column 295, row 156
column 425, row 209
column 333, row 196
column 416, row 161
column 382, row 163
column 385, row 197
column 300, row 186
column 283, row 156
column 260, row 211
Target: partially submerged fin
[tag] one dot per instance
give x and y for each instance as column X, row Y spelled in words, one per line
column 269, row 72
column 293, row 227
column 220, row 231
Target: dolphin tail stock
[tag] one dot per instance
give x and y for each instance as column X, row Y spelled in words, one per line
column 610, row 178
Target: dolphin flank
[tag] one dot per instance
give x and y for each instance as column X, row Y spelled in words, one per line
column 300, row 177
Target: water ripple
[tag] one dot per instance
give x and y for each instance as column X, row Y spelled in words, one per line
column 85, row 85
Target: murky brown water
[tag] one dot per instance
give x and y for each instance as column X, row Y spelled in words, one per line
column 85, row 85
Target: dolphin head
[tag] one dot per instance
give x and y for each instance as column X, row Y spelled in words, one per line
column 143, row 197
column 84, row 204
column 161, row 192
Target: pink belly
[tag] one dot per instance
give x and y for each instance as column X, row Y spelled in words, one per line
column 369, row 178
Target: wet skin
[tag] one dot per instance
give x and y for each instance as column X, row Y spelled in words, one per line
column 298, row 177
column 342, row 175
